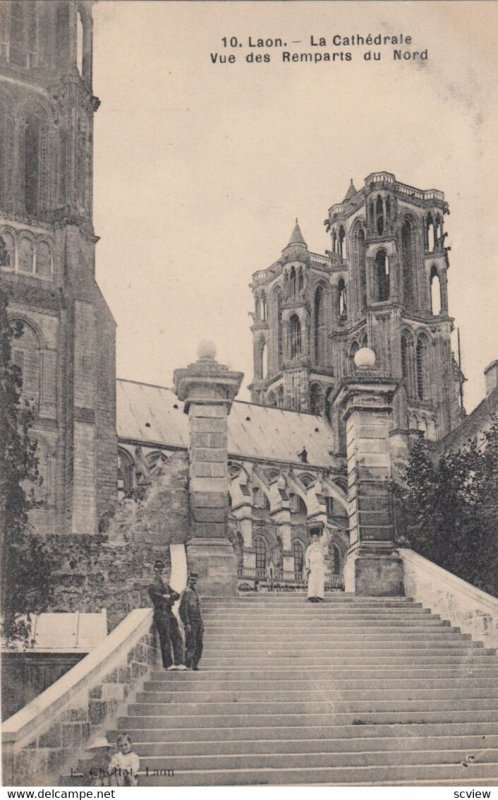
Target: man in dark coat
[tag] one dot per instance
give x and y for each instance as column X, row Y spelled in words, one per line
column 163, row 598
column 190, row 615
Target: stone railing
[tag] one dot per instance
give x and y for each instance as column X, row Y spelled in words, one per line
column 42, row 737
column 466, row 607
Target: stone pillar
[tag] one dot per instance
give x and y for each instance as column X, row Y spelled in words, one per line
column 207, row 390
column 372, row 566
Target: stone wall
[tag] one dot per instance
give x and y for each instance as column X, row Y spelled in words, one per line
column 44, row 738
column 112, row 570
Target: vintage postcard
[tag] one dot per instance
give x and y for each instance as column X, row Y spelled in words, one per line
column 248, row 443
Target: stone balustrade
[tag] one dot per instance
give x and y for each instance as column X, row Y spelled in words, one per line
column 468, row 608
column 40, row 739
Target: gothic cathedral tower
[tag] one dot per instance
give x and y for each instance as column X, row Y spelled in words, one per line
column 383, row 285
column 47, row 257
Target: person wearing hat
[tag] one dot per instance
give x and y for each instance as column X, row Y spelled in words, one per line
column 98, row 767
column 190, row 615
column 163, row 598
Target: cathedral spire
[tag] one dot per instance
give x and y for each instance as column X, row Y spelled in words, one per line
column 351, row 191
column 297, row 237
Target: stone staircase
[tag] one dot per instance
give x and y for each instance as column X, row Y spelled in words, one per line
column 356, row 690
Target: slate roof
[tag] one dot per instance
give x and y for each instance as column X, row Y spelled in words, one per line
column 153, row 415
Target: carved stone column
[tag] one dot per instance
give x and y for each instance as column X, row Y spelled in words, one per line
column 208, row 389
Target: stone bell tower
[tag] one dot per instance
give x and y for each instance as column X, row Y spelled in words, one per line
column 47, row 257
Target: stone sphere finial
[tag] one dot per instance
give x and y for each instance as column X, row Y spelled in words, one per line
column 364, row 358
column 206, row 350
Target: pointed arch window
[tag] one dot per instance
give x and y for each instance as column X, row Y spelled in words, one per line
column 382, row 275
column 295, row 336
column 421, row 366
column 25, row 255
column 407, row 255
column 280, row 397
column 43, row 260
column 260, row 553
column 431, row 233
column 359, row 250
column 342, row 304
column 298, row 556
column 319, row 326
column 35, row 161
column 379, row 214
column 316, row 399
column 435, row 291
column 292, row 282
column 335, row 559
column 342, row 236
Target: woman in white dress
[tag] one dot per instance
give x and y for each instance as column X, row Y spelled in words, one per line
column 314, row 561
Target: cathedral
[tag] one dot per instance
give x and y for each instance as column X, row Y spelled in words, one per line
column 381, row 289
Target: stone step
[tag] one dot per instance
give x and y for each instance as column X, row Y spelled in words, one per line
column 399, row 655
column 162, row 718
column 154, row 707
column 158, row 730
column 349, row 640
column 318, row 759
column 290, row 598
column 370, row 775
column 469, row 744
column 343, row 626
column 332, row 694
column 279, row 684
column 389, row 672
column 336, row 637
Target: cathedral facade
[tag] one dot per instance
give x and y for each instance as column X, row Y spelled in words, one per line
column 383, row 285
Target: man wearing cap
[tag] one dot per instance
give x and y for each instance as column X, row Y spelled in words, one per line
column 190, row 615
column 163, row 598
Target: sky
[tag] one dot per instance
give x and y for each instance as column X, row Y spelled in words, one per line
column 201, row 168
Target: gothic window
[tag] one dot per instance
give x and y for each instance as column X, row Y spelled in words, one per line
column 406, row 357
column 35, row 160
column 298, row 556
column 270, row 400
column 260, row 552
column 335, row 559
column 364, row 340
column 292, row 283
column 334, row 241
column 342, row 305
column 388, row 209
column 407, row 255
column 382, row 275
column 25, row 255
column 316, row 398
column 295, row 336
column 341, row 241
column 300, row 281
column 360, row 263
column 263, row 307
column 431, row 233
column 329, row 504
column 43, row 260
column 7, row 251
column 435, row 291
column 280, row 397
column 328, row 404
column 379, row 215
column 239, row 551
column 319, row 326
column 260, row 364
column 125, row 474
column 421, row 365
